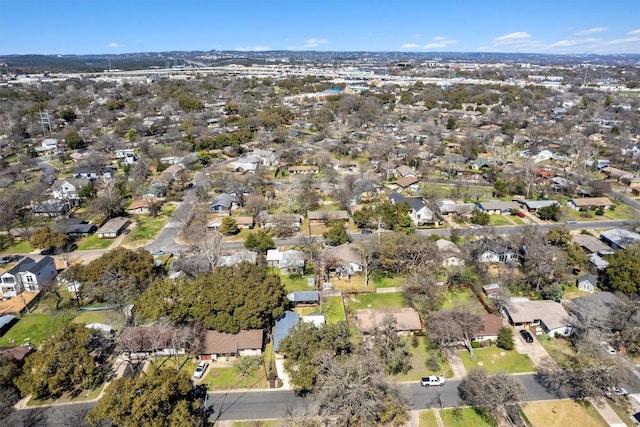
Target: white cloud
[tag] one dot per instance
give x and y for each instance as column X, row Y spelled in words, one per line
column 253, row 48
column 314, row 42
column 113, row 45
column 634, row 32
column 627, row 40
column 512, row 38
column 573, row 42
column 588, row 31
column 410, row 46
column 483, row 48
column 415, row 35
column 439, row 38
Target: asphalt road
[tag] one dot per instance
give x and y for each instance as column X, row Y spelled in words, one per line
column 255, row 405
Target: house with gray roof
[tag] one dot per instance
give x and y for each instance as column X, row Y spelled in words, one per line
column 224, row 202
column 419, row 213
column 237, row 258
column 283, row 326
column 497, row 207
column 619, row 238
column 27, row 276
column 304, row 297
column 289, row 262
column 535, row 205
column 550, row 316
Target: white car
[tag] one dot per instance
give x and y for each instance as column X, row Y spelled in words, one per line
column 200, row 370
column 432, row 381
column 619, row 391
column 607, row 348
column 475, row 226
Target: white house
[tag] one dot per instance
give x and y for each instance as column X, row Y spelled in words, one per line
column 27, row 276
column 68, row 189
column 550, row 316
column 289, row 262
column 450, row 253
column 419, row 213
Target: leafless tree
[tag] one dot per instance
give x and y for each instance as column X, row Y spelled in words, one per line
column 450, row 328
column 367, row 249
column 493, row 393
column 211, row 246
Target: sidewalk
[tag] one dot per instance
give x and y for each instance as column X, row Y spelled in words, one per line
column 457, row 367
column 607, row 413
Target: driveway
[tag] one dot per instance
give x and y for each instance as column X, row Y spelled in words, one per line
column 536, row 352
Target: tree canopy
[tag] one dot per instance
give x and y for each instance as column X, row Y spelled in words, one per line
column 490, row 392
column 158, row 398
column 67, row 362
column 243, row 296
column 259, row 241
column 623, row 272
column 44, row 238
column 384, row 215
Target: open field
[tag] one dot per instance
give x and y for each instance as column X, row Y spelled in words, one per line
column 463, row 298
column 558, row 348
column 495, row 359
column 392, row 300
column 228, row 378
column 34, row 328
column 19, row 247
column 561, row 413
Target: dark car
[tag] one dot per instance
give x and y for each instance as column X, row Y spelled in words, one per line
column 526, row 336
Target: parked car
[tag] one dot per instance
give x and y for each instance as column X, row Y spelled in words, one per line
column 572, row 221
column 157, row 252
column 432, row 380
column 200, row 370
column 526, row 335
column 475, row 226
column 608, row 348
column 520, row 214
column 618, row 391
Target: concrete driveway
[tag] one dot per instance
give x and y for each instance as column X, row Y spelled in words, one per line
column 536, row 352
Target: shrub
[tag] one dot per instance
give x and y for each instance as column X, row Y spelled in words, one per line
column 475, row 344
column 505, row 338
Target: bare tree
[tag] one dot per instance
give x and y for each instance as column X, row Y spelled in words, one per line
column 211, row 246
column 453, row 328
column 367, row 249
column 492, row 393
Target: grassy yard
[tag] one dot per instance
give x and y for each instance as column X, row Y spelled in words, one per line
column 228, row 378
column 467, row 417
column 108, row 317
column 19, row 247
column 463, row 298
column 621, row 211
column 68, row 397
column 93, row 242
column 391, row 300
column 560, row 413
column 187, row 364
column 35, row 328
column 495, row 359
column 294, row 282
column 387, row 282
column 333, row 308
column 419, row 356
column 427, row 419
column 497, row 220
column 571, row 291
column 558, row 348
column 147, row 227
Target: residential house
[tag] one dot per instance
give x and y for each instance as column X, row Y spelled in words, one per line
column 587, row 203
column 126, row 156
column 409, row 182
column 238, row 257
column 18, row 353
column 419, row 213
column 497, row 252
column 407, row 319
column 289, row 262
column 68, row 189
column 246, row 164
column 480, row 163
column 74, row 227
column 596, row 307
column 304, row 297
column 403, row 171
column 157, row 190
column 347, row 258
column 53, row 208
column 619, row 238
column 247, row 342
column 592, row 245
column 322, row 217
column 27, row 276
column 143, row 341
column 550, row 316
column 283, row 326
column 447, row 207
column 536, row 205
column 141, row 206
column 490, row 326
column 497, row 207
column 491, row 290
column 113, row 228
column 299, row 170
column 596, row 263
column 224, row 202
column 290, row 220
column 92, row 173
column 6, row 322
column 587, row 283
column 450, row 253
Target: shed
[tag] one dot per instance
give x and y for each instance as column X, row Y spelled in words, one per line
column 113, row 228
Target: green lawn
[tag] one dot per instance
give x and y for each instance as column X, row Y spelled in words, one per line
column 387, row 282
column 228, row 378
column 187, row 364
column 294, row 282
column 147, row 227
column 427, row 419
column 93, row 242
column 494, row 359
column 83, row 395
column 391, row 300
column 108, row 317
column 419, row 356
column 19, row 247
column 621, row 211
column 467, row 417
column 498, row 220
column 558, row 348
column 462, row 298
column 333, row 308
column 35, row 328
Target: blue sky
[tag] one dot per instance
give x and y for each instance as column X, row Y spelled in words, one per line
column 123, row 26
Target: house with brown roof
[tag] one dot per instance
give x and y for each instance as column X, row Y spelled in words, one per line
column 247, row 342
column 296, row 170
column 322, row 217
column 587, row 203
column 407, row 319
column 143, row 341
column 113, row 228
column 141, row 206
column 490, row 325
column 406, row 182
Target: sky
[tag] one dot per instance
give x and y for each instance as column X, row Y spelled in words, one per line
column 126, row 26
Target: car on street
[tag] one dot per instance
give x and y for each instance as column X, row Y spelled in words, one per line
column 200, row 370
column 608, row 348
column 618, row 391
column 526, row 335
column 572, row 221
column 157, row 252
column 432, row 380
column 475, row 226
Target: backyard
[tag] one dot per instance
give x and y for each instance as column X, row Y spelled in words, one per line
column 333, row 308
column 495, row 359
column 376, row 301
column 462, row 298
column 34, row 328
